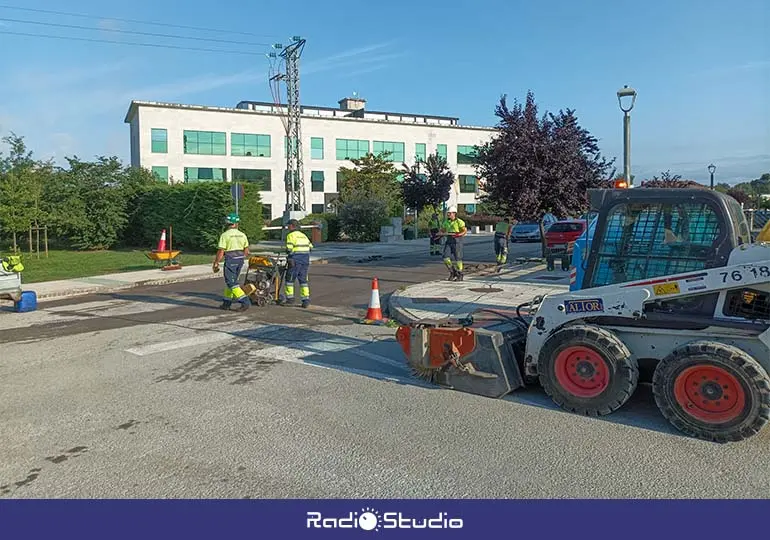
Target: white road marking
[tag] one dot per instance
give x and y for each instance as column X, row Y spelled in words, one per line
column 211, row 335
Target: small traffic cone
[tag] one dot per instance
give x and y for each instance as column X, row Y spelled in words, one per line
column 162, row 241
column 374, row 313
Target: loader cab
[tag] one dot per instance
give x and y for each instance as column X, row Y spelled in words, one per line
column 646, row 233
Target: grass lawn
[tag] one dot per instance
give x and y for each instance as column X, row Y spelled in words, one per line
column 74, row 264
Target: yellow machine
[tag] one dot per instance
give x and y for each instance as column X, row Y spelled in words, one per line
column 264, row 277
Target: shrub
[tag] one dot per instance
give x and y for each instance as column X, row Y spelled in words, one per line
column 196, row 212
column 361, row 220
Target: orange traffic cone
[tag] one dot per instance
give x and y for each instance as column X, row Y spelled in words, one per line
column 162, row 241
column 374, row 313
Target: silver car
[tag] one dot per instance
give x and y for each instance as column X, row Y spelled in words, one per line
column 526, row 231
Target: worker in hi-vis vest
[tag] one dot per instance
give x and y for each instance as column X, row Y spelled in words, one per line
column 233, row 246
column 453, row 229
column 502, row 237
column 298, row 247
column 435, row 241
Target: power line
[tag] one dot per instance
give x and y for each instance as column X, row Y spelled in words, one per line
column 154, row 23
column 156, row 45
column 135, row 32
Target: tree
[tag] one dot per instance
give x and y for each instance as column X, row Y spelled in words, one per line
column 361, row 220
column 668, row 180
column 21, row 188
column 536, row 165
column 373, row 178
column 741, row 196
column 431, row 188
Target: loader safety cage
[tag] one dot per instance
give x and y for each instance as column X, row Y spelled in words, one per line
column 645, row 233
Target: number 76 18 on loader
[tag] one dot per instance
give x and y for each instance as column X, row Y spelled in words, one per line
column 672, row 292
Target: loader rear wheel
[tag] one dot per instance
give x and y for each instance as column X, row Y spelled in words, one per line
column 713, row 391
column 587, row 370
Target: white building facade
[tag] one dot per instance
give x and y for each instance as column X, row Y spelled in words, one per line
column 188, row 143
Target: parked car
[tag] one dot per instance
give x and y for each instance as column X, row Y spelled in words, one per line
column 562, row 233
column 526, row 231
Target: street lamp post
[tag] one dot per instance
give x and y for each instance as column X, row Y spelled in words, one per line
column 711, row 169
column 624, row 94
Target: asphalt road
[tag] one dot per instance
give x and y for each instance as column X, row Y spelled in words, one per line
column 156, row 393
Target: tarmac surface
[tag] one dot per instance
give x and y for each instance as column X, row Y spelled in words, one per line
column 153, row 392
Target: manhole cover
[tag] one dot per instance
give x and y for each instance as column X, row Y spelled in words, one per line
column 430, row 300
column 486, row 290
column 552, row 278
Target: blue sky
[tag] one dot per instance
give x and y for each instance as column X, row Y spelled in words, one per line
column 701, row 68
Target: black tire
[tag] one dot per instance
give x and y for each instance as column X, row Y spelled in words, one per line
column 733, row 417
column 608, row 359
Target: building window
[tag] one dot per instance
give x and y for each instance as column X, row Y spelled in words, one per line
column 351, row 149
column 317, row 181
column 419, row 152
column 317, row 208
column 316, row 148
column 286, row 147
column 205, row 143
column 159, row 139
column 161, row 173
column 249, row 144
column 396, row 150
column 441, row 150
column 466, row 155
column 267, row 212
column 467, row 209
column 263, row 177
column 204, row 174
column 467, row 183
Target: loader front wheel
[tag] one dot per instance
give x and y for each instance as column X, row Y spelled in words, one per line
column 587, row 370
column 713, row 391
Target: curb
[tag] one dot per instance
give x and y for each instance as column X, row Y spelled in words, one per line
column 97, row 289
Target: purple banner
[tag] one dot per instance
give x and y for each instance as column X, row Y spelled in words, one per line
column 527, row 520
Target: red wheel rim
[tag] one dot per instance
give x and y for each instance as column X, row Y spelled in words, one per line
column 709, row 393
column 582, row 371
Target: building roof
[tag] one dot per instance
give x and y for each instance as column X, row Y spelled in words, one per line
column 329, row 113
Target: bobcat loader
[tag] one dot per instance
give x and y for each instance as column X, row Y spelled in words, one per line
column 672, row 288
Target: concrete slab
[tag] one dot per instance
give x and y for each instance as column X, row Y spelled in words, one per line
column 504, row 290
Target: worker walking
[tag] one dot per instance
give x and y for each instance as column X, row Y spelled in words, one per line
column 502, row 237
column 435, row 241
column 453, row 229
column 233, row 246
column 298, row 247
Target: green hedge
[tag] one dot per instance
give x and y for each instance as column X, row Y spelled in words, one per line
column 196, row 212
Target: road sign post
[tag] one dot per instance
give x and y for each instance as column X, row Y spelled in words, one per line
column 236, row 190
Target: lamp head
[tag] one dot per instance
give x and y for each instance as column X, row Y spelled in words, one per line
column 712, row 168
column 629, row 95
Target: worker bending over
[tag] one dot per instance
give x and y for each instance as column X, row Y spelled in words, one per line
column 453, row 229
column 298, row 247
column 434, row 225
column 502, row 237
column 234, row 248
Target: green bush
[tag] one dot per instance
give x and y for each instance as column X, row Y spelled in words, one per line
column 196, row 213
column 361, row 220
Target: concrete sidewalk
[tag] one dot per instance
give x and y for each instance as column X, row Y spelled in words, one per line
column 514, row 285
column 323, row 254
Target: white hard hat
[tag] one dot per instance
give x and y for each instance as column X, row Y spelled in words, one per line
column 452, row 209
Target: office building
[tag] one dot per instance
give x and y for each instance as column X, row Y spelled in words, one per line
column 190, row 143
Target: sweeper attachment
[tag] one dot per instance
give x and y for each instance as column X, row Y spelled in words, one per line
column 673, row 293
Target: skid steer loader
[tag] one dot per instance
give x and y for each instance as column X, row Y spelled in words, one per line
column 672, row 288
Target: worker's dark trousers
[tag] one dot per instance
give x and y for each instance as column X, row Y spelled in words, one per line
column 300, row 265
column 453, row 249
column 501, row 248
column 233, row 291
column 435, row 242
